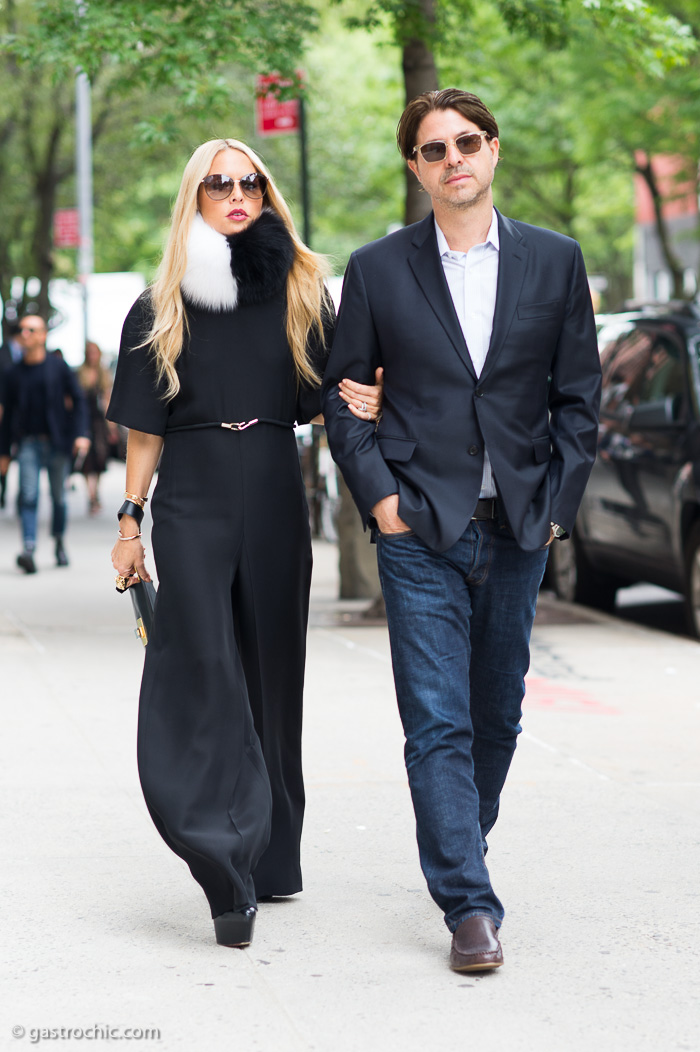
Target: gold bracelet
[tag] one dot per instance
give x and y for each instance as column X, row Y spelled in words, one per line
column 134, row 536
column 136, row 500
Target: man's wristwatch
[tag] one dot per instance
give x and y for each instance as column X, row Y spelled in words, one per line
column 558, row 531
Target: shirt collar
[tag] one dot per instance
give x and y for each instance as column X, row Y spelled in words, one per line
column 491, row 237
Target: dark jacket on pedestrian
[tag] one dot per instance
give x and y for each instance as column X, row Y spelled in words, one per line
column 66, row 411
column 6, row 363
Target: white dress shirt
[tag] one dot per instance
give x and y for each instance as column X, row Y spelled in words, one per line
column 472, row 278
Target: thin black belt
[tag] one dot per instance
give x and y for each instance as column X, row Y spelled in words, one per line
column 240, row 426
column 486, row 508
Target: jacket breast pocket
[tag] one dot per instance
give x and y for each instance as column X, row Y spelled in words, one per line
column 396, row 448
column 542, row 448
column 546, row 309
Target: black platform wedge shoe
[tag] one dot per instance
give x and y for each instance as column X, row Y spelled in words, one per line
column 235, row 928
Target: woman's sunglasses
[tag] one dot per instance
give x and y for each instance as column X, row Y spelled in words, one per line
column 437, row 149
column 219, row 187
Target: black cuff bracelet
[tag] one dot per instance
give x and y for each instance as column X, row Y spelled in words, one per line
column 129, row 508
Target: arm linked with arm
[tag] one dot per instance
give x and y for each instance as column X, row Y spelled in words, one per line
column 356, row 354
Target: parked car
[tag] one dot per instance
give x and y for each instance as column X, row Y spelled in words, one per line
column 640, row 515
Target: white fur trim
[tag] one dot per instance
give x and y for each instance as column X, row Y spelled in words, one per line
column 208, row 281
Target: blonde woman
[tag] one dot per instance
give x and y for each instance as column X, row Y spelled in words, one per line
column 218, row 359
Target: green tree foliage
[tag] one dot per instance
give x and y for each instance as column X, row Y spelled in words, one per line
column 572, row 106
column 156, row 43
column 641, row 37
column 155, row 69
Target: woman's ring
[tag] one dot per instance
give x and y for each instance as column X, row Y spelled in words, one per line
column 363, row 407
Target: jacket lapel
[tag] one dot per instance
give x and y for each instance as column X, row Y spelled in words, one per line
column 427, row 268
column 512, row 264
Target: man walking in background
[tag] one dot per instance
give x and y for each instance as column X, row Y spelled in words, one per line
column 45, row 419
column 485, row 329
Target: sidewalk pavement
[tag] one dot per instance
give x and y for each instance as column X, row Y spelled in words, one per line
column 596, row 854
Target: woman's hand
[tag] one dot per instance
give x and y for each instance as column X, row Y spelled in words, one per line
column 128, row 557
column 142, row 454
column 363, row 401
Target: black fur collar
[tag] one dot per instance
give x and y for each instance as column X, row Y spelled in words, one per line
column 261, row 258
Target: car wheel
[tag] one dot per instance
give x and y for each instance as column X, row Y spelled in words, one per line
column 574, row 579
column 692, row 580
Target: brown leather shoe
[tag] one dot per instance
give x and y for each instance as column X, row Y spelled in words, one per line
column 475, row 946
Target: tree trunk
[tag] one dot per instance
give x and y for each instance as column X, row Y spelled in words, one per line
column 672, row 262
column 420, row 74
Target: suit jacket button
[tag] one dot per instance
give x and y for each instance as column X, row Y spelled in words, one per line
column 473, row 450
column 479, row 392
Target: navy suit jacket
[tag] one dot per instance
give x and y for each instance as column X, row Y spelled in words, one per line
column 534, row 406
column 66, row 409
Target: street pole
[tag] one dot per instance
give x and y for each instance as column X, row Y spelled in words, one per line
column 83, row 168
column 83, row 173
column 304, row 173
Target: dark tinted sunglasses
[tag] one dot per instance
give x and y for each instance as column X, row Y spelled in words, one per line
column 436, row 150
column 219, row 187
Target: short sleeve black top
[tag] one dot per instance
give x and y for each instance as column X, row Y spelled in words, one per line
column 235, row 365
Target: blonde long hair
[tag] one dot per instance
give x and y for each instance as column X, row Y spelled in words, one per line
column 307, row 297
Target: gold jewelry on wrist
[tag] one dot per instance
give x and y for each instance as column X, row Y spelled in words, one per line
column 141, row 501
column 134, row 536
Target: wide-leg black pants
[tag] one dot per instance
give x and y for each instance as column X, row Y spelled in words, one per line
column 219, row 740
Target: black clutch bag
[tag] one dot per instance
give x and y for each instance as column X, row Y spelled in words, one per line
column 143, row 599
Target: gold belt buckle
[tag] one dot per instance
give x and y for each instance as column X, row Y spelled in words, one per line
column 242, row 425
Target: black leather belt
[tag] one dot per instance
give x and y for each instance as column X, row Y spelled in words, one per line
column 486, row 508
column 240, row 426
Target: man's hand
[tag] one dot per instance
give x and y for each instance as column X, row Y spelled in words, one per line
column 81, row 447
column 386, row 512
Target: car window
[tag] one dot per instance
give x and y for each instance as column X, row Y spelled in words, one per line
column 642, row 367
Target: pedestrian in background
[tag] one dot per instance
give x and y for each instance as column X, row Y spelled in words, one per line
column 485, row 329
column 217, row 361
column 44, row 423
column 10, row 352
column 96, row 382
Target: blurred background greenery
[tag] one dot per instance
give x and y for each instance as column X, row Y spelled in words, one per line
column 584, row 91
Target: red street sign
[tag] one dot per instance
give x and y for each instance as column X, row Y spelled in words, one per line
column 272, row 116
column 66, row 228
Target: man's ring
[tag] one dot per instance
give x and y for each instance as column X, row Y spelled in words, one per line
column 363, row 407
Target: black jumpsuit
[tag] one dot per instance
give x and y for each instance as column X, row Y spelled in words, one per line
column 219, row 738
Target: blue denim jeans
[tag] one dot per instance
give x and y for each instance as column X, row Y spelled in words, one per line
column 35, row 453
column 459, row 625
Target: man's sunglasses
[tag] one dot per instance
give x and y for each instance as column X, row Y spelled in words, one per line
column 30, row 328
column 436, row 150
column 219, row 187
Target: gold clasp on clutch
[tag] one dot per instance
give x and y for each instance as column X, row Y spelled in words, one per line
column 242, row 425
column 140, row 631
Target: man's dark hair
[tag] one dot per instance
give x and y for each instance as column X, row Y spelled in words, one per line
column 470, row 106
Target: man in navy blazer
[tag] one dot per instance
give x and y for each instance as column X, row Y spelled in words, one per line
column 44, row 421
column 484, row 327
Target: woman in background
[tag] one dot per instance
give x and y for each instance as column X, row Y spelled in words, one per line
column 96, row 383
